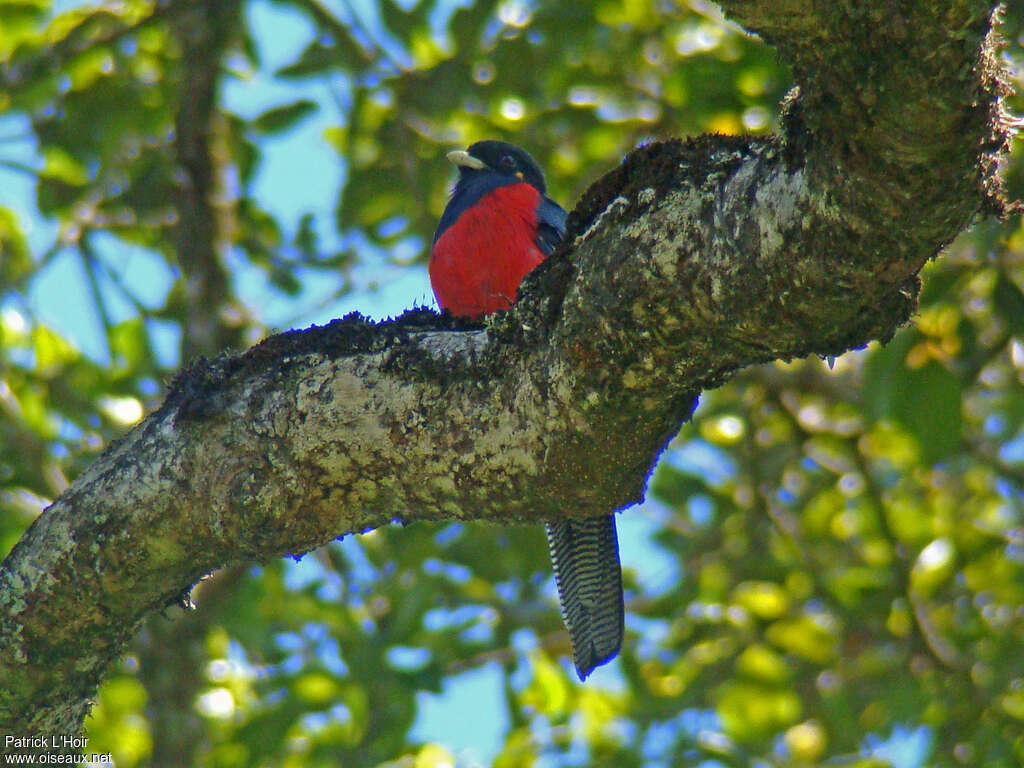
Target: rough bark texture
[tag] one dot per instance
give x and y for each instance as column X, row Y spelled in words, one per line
column 688, row 262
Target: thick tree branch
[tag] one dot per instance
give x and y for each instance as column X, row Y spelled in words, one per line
column 685, row 264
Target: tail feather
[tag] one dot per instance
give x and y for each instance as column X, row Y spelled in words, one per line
column 585, row 556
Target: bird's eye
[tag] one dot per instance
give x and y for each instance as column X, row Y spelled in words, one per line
column 508, row 161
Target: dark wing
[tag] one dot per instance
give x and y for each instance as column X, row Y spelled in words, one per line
column 550, row 225
column 585, row 556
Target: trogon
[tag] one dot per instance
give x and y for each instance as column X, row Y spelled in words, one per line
column 498, row 226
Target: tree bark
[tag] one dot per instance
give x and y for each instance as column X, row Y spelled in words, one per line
column 688, row 262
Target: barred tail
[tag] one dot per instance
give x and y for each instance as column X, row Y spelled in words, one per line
column 585, row 556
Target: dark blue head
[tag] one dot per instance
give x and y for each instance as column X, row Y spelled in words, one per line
column 490, row 164
column 498, row 157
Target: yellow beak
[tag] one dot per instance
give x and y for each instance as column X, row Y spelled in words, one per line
column 463, row 159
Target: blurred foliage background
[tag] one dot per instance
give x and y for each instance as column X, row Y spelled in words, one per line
column 829, row 566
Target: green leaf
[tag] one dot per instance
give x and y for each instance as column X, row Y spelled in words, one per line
column 18, row 21
column 1009, row 303
column 675, row 487
column 280, row 119
column 59, row 165
column 345, row 54
column 808, row 637
column 925, row 399
column 15, row 259
column 306, row 240
column 129, row 344
column 752, row 711
column 52, row 351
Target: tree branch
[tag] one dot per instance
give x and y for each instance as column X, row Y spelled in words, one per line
column 690, row 261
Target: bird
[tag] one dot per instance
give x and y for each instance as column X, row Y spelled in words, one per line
column 499, row 224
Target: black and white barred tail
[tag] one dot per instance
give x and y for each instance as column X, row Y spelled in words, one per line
column 585, row 556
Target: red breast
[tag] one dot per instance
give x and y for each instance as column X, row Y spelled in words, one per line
column 477, row 264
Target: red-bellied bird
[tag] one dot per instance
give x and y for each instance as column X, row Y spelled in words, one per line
column 498, row 226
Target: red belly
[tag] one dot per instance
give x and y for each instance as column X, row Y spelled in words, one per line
column 478, row 262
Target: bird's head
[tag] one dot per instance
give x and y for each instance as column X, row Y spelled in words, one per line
column 498, row 157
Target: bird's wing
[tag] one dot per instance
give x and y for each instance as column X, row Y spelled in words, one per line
column 550, row 224
column 585, row 556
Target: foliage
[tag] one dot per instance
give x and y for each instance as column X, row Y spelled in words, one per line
column 843, row 544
